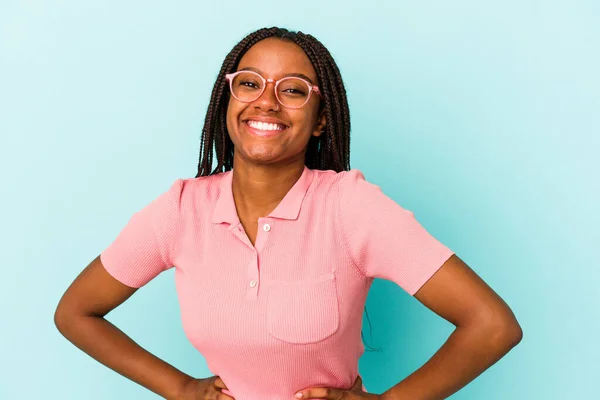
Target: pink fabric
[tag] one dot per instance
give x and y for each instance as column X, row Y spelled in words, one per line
column 285, row 314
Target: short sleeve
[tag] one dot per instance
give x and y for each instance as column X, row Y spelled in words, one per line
column 144, row 247
column 383, row 239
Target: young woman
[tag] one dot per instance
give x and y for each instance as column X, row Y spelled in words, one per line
column 275, row 250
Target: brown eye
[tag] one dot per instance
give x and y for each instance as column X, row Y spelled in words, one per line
column 247, row 81
column 249, row 84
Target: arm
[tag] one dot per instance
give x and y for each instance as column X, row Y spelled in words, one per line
column 486, row 329
column 386, row 241
column 80, row 318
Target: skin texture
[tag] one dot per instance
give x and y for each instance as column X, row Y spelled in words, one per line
column 79, row 316
column 273, row 58
column 264, row 171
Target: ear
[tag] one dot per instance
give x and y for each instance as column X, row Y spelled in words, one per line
column 321, row 123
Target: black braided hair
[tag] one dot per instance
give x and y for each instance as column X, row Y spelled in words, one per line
column 329, row 151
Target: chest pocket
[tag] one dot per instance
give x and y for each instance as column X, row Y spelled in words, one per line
column 303, row 311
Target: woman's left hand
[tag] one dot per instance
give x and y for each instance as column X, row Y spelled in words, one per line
column 354, row 393
column 337, row 394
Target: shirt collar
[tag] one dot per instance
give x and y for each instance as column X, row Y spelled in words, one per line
column 288, row 207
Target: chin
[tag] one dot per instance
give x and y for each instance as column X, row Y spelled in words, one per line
column 262, row 154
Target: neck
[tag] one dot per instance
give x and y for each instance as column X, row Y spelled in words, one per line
column 258, row 189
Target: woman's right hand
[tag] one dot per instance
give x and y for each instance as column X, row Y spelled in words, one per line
column 205, row 389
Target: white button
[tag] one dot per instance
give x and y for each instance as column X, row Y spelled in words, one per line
column 252, row 283
column 267, row 227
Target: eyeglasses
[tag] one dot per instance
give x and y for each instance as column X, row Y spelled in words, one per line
column 291, row 91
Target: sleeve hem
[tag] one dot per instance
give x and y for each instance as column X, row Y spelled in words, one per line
column 121, row 279
column 426, row 277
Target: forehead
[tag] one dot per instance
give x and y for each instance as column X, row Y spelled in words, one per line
column 275, row 58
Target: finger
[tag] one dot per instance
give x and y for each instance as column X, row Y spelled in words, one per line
column 357, row 384
column 218, row 382
column 222, row 396
column 215, row 393
column 321, row 393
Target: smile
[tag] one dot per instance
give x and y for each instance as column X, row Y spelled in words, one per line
column 263, row 129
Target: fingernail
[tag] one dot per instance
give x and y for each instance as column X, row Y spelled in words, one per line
column 298, row 395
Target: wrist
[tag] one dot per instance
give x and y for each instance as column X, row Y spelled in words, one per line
column 183, row 388
column 389, row 396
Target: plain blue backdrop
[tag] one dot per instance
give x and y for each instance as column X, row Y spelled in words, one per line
column 481, row 117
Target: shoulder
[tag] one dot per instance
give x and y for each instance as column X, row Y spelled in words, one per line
column 331, row 180
column 346, row 186
column 203, row 185
column 200, row 190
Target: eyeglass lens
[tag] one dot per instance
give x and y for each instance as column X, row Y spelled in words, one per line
column 292, row 92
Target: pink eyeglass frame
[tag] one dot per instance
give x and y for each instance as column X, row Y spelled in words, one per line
column 311, row 88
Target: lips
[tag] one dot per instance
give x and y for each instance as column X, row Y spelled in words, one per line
column 264, row 133
column 267, row 120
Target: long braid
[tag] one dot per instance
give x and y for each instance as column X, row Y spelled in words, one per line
column 336, row 150
column 330, row 151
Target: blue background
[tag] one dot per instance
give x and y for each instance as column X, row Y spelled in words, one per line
column 481, row 117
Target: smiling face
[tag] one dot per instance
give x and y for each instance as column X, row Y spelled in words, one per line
column 274, row 58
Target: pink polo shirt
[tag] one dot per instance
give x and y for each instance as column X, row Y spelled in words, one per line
column 285, row 314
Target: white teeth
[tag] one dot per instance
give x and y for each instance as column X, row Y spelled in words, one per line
column 263, row 126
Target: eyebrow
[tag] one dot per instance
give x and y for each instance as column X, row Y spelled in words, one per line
column 296, row 74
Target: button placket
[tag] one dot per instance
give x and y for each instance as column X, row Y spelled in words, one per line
column 253, row 281
column 265, row 229
column 253, row 275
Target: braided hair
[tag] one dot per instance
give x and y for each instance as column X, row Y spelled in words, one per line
column 329, row 151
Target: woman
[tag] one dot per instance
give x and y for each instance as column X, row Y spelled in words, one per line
column 275, row 250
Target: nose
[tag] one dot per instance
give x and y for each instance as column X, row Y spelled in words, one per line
column 268, row 100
